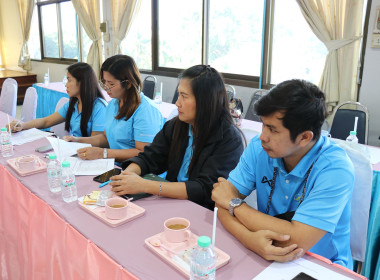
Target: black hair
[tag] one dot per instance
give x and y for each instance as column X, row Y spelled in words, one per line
column 124, row 68
column 302, row 103
column 211, row 111
column 89, row 92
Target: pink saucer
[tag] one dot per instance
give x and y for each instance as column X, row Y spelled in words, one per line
column 134, row 211
column 40, row 167
column 181, row 261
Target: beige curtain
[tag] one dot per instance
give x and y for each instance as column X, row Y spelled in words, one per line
column 338, row 24
column 2, row 43
column 89, row 15
column 123, row 14
column 25, row 8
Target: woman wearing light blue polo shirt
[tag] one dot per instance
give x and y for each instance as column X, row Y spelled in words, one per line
column 132, row 119
column 84, row 114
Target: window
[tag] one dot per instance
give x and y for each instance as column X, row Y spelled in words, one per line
column 229, row 36
column 57, row 37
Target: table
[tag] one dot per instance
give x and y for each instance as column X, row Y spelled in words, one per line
column 42, row 237
column 48, row 97
column 24, row 80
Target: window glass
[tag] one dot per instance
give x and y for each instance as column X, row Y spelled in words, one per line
column 69, row 30
column 296, row 51
column 138, row 42
column 235, row 36
column 86, row 44
column 34, row 37
column 180, row 33
column 50, row 30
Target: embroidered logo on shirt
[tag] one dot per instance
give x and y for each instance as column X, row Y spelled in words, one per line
column 297, row 197
column 265, row 180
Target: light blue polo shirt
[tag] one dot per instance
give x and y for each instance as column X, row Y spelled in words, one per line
column 142, row 126
column 95, row 123
column 182, row 174
column 327, row 202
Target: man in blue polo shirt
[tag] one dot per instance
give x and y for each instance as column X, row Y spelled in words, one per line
column 304, row 182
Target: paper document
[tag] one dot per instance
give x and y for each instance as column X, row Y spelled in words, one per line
column 90, row 167
column 65, row 149
column 287, row 271
column 375, row 154
column 29, row 135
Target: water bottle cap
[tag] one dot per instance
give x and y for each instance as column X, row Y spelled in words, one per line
column 204, row 241
column 66, row 164
column 352, row 132
column 3, row 129
column 52, row 156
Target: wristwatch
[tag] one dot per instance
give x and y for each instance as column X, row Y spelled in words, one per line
column 235, row 202
column 105, row 154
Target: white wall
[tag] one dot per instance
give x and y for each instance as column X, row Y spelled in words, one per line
column 370, row 88
column 56, row 71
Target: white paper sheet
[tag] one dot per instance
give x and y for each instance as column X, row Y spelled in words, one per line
column 29, row 135
column 90, row 167
column 65, row 149
column 287, row 271
column 375, row 154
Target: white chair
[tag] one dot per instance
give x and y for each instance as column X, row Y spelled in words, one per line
column 249, row 133
column 29, row 106
column 8, row 97
column 361, row 198
column 59, row 129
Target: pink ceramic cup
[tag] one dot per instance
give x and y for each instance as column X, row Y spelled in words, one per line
column 177, row 235
column 26, row 163
column 116, row 213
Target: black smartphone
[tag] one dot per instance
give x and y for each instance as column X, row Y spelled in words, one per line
column 107, row 175
column 303, row 276
column 44, row 149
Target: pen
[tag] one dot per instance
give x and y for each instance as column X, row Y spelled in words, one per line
column 105, row 183
column 16, row 124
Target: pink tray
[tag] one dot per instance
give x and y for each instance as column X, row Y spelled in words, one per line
column 39, row 168
column 181, row 261
column 134, row 211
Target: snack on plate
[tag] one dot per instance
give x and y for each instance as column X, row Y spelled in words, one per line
column 91, row 198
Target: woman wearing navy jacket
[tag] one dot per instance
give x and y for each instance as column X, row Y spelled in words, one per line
column 195, row 148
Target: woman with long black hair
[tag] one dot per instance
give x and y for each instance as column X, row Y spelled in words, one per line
column 84, row 114
column 195, row 148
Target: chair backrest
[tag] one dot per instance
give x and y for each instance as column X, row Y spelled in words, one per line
column 8, row 97
column 149, row 86
column 251, row 114
column 175, row 96
column 231, row 92
column 361, row 198
column 343, row 121
column 29, row 106
column 59, row 129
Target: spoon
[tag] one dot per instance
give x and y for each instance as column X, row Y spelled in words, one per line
column 157, row 243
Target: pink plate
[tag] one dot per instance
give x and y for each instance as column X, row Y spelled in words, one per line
column 181, row 261
column 134, row 211
column 40, row 167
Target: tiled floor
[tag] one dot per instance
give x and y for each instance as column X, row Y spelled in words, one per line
column 18, row 112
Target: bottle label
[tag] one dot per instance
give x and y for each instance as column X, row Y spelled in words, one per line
column 68, row 183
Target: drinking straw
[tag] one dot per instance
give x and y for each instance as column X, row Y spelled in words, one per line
column 214, row 227
column 59, row 149
column 356, row 123
column 161, row 89
column 9, row 125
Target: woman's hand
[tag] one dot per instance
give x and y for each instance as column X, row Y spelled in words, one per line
column 127, row 183
column 90, row 153
column 15, row 126
column 70, row 138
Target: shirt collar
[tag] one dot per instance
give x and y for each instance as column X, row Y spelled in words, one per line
column 305, row 163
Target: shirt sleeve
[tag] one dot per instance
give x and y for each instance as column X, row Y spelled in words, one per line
column 63, row 110
column 331, row 193
column 147, row 123
column 98, row 116
column 243, row 177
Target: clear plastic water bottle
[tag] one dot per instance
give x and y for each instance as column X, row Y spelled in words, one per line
column 69, row 189
column 46, row 79
column 54, row 174
column 64, row 81
column 203, row 260
column 158, row 98
column 6, row 143
column 352, row 137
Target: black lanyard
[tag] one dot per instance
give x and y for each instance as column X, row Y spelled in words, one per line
column 273, row 184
